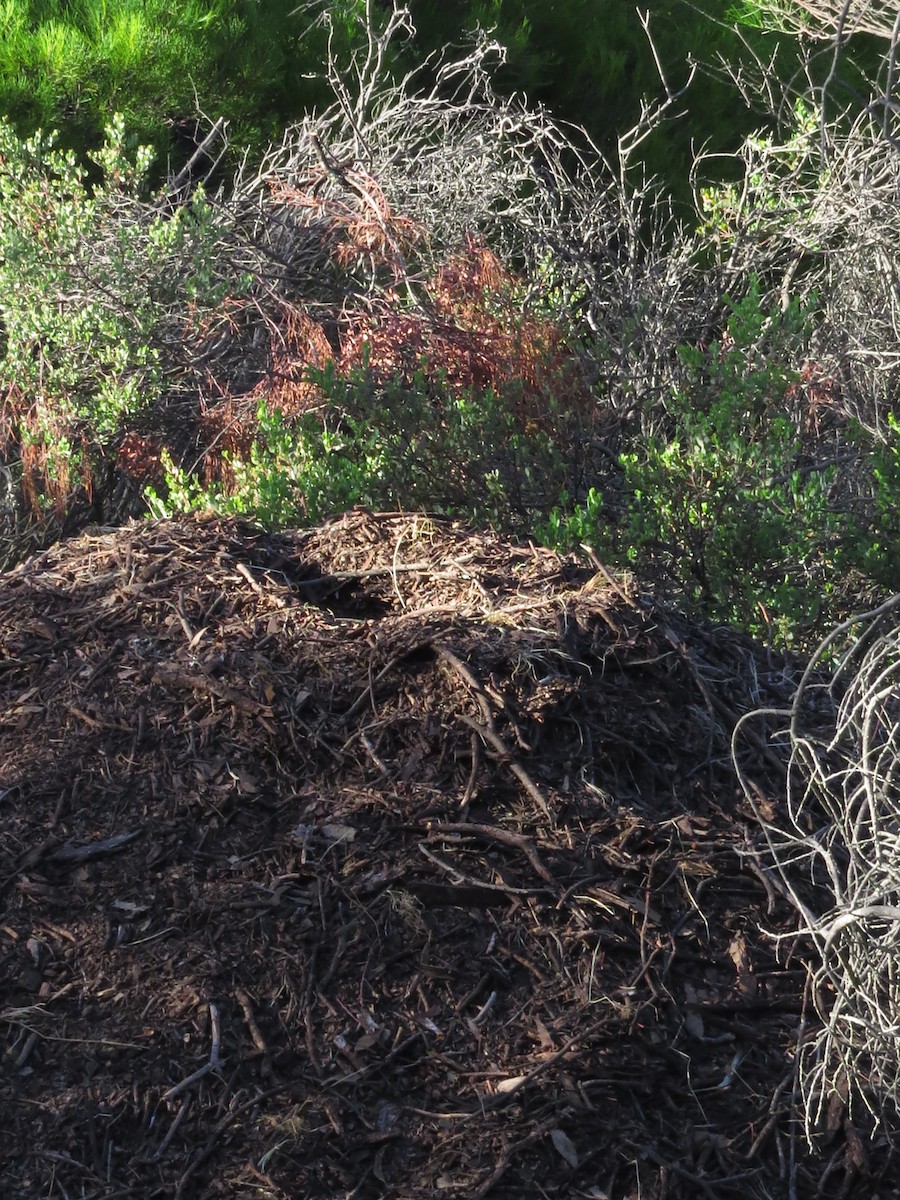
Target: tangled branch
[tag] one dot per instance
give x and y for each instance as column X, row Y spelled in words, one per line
column 839, row 860
column 830, row 19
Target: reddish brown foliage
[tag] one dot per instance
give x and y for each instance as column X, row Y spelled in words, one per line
column 138, row 457
column 464, row 325
column 296, row 345
column 366, row 229
column 816, row 395
column 227, row 430
column 473, row 331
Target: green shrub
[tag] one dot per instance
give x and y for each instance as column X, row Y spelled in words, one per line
column 66, row 65
column 98, row 289
column 417, row 445
column 297, row 473
column 720, row 506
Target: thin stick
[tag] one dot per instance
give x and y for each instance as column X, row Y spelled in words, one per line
column 517, row 769
column 214, row 1064
column 495, row 834
column 173, row 1129
column 247, row 1009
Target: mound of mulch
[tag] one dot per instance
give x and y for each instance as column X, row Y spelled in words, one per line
column 385, row 860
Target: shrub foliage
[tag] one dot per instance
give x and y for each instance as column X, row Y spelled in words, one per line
column 66, row 65
column 429, row 295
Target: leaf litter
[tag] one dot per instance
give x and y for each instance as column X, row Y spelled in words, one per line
column 387, row 859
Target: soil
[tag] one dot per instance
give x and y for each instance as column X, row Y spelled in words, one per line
column 388, row 859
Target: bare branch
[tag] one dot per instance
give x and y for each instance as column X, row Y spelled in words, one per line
column 827, row 19
column 839, row 858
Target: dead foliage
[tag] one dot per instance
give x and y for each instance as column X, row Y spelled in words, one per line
column 474, row 332
column 384, row 859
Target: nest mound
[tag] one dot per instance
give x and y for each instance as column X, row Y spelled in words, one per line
column 385, row 859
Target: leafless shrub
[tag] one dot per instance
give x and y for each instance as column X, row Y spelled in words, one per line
column 816, row 216
column 839, row 861
column 829, row 19
column 364, row 203
column 818, row 212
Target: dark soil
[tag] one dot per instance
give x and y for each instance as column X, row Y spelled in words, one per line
column 386, row 860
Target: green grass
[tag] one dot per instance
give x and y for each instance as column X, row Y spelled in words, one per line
column 66, row 64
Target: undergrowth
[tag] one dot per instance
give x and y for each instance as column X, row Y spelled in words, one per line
column 724, row 501
column 101, row 291
column 564, row 361
column 387, row 445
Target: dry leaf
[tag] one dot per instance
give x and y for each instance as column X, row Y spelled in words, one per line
column 509, row 1085
column 564, row 1147
column 693, row 1023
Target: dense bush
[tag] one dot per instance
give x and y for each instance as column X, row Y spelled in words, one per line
column 724, row 504
column 135, row 324
column 430, row 296
column 389, row 445
column 106, row 296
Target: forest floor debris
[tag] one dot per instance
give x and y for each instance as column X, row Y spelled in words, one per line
column 386, row 859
